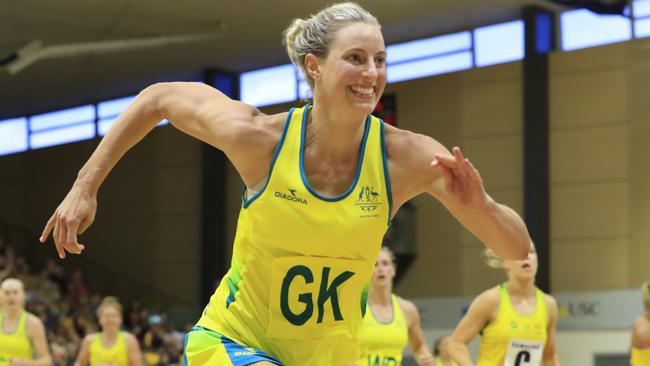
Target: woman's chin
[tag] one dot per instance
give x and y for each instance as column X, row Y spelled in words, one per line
column 363, row 107
column 526, row 276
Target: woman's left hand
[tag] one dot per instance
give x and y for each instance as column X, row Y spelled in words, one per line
column 462, row 182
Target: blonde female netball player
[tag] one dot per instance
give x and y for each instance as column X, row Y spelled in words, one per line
column 516, row 320
column 322, row 183
column 22, row 335
column 111, row 346
column 390, row 322
column 640, row 345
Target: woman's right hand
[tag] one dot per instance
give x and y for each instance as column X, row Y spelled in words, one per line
column 73, row 216
column 194, row 108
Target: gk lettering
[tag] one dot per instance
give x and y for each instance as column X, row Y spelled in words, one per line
column 327, row 291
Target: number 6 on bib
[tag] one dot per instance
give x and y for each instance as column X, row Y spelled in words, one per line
column 524, row 353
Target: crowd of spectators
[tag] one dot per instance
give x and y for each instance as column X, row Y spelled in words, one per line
column 68, row 310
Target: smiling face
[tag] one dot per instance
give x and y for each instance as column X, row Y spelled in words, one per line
column 384, row 271
column 353, row 73
column 525, row 269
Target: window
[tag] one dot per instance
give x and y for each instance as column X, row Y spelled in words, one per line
column 641, row 18
column 268, row 86
column 60, row 127
column 413, row 50
column 428, row 57
column 62, row 118
column 642, row 28
column 113, row 108
column 499, row 43
column 581, row 28
column 641, row 8
column 13, row 136
column 62, row 135
column 429, row 67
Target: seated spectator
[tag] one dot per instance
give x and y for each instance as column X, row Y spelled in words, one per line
column 6, row 260
column 77, row 287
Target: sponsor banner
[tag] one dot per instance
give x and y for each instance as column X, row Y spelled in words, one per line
column 599, row 310
column 613, row 309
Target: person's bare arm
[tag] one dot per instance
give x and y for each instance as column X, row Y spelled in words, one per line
column 135, row 354
column 84, row 351
column 480, row 313
column 429, row 167
column 549, row 358
column 417, row 342
column 197, row 109
column 36, row 335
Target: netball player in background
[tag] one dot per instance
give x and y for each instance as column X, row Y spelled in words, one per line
column 390, row 322
column 22, row 338
column 516, row 320
column 322, row 183
column 640, row 345
column 441, row 352
column 111, row 346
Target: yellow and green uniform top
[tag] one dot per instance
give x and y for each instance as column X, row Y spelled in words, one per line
column 116, row 355
column 383, row 343
column 301, row 260
column 15, row 345
column 512, row 338
column 640, row 357
column 440, row 363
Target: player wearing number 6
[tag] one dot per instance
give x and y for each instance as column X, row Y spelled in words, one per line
column 516, row 320
column 322, row 183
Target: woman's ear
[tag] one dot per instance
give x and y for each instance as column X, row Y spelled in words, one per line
column 312, row 66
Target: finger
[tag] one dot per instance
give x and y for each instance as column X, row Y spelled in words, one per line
column 475, row 174
column 450, row 162
column 444, row 159
column 63, row 235
column 85, row 225
column 72, row 245
column 55, row 233
column 48, row 229
column 457, row 153
column 448, row 178
column 57, row 240
column 462, row 163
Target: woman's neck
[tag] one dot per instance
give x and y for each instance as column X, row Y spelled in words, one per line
column 12, row 314
column 380, row 295
column 110, row 334
column 333, row 135
column 521, row 287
